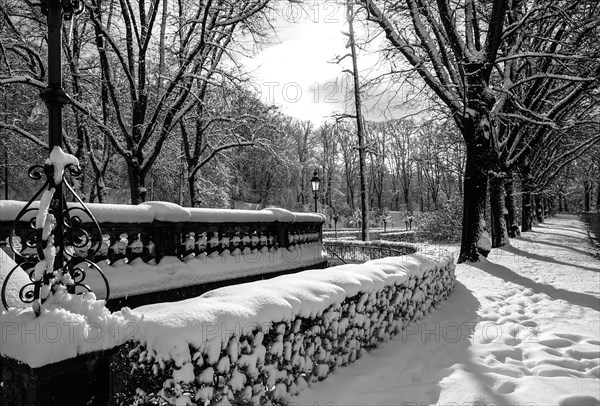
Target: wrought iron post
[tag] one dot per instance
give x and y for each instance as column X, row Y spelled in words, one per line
column 55, row 98
column 58, row 233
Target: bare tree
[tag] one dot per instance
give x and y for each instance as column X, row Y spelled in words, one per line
column 454, row 53
column 360, row 126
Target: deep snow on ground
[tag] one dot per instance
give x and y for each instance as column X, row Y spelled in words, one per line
column 520, row 329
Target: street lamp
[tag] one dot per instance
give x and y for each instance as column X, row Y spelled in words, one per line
column 336, row 217
column 315, row 183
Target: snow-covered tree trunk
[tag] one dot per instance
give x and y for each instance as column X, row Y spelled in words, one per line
column 475, row 235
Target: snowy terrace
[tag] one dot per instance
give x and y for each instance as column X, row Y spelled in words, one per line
column 156, row 246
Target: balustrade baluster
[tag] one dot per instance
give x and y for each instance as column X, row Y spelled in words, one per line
column 135, row 249
column 118, row 251
column 149, row 252
column 201, row 244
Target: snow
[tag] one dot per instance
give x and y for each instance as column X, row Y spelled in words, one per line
column 138, row 277
column 169, row 212
column 210, row 320
column 69, row 325
column 18, row 279
column 59, row 160
column 521, row 328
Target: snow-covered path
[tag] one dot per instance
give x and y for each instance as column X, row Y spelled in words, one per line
column 520, row 329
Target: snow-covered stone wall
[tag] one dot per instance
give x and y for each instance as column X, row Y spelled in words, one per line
column 263, row 342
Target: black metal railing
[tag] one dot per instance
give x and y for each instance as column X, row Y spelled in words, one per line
column 357, row 251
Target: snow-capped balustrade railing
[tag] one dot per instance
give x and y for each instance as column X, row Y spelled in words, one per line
column 153, row 230
column 262, row 342
column 159, row 246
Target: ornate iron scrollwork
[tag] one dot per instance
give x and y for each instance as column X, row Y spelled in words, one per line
column 74, row 247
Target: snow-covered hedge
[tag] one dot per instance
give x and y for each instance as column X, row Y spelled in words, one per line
column 263, row 342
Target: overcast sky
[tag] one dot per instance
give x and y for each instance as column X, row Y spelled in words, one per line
column 296, row 72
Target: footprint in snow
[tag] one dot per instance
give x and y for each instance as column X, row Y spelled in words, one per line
column 556, row 342
column 506, row 387
column 572, row 337
column 579, row 400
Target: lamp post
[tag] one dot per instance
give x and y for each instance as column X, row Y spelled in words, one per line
column 336, row 217
column 315, row 183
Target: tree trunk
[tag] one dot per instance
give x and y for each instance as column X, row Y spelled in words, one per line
column 181, row 182
column 498, row 211
column 560, row 206
column 101, row 188
column 359, row 127
column 587, row 195
column 512, row 218
column 92, row 195
column 598, row 198
column 407, row 204
column 137, row 184
column 526, row 200
column 475, row 237
column 539, row 208
column 566, row 204
column 194, row 192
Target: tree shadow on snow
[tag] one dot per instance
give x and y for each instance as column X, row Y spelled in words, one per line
column 554, row 227
column 583, row 252
column 502, row 272
column 437, row 342
column 529, row 246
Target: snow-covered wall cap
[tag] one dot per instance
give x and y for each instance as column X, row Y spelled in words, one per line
column 118, row 213
column 309, row 217
column 286, row 216
column 171, row 212
column 76, row 324
column 164, row 211
column 168, row 329
column 104, row 213
column 9, row 209
column 226, row 216
column 282, row 215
